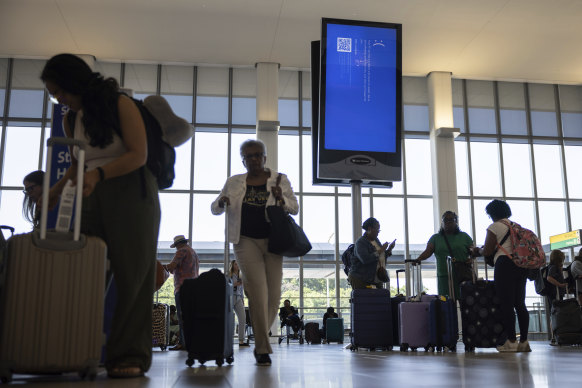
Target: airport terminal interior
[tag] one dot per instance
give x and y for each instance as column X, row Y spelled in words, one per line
column 517, row 137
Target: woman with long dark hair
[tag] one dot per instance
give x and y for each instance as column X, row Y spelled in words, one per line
column 32, row 192
column 121, row 202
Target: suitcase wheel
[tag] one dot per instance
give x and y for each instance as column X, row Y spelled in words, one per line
column 403, row 347
column 413, row 349
column 230, row 360
column 201, row 362
column 162, row 348
column 219, row 361
column 301, row 341
column 6, row 377
column 389, row 348
column 190, row 361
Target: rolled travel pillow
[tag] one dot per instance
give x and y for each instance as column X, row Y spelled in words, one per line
column 175, row 130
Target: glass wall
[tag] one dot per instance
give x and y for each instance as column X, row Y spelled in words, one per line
column 518, row 141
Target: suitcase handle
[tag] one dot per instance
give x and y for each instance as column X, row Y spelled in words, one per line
column 46, row 184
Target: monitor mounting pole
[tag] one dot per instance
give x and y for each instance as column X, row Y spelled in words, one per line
column 356, row 208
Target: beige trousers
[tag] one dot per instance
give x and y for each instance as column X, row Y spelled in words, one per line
column 262, row 273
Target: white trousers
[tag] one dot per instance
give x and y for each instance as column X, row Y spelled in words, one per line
column 262, row 274
column 239, row 309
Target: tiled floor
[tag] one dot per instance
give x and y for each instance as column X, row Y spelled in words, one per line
column 332, row 365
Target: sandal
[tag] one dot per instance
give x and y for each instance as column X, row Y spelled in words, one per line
column 125, row 372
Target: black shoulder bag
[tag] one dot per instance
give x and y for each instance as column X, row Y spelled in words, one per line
column 463, row 269
column 286, row 237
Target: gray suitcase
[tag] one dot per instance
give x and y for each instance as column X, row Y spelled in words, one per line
column 51, row 307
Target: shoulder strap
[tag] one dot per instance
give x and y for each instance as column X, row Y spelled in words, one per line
column 278, row 180
column 448, row 245
column 71, row 117
column 499, row 244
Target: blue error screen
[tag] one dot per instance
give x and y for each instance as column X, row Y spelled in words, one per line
column 360, row 88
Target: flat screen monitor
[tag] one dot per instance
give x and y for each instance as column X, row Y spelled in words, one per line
column 315, row 64
column 360, row 104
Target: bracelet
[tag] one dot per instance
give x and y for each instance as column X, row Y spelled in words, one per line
column 101, row 174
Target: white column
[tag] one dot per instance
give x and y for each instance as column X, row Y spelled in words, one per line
column 442, row 136
column 268, row 109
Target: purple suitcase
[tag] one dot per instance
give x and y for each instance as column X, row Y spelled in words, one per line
column 414, row 316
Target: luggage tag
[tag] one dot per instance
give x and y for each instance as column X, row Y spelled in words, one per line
column 65, row 214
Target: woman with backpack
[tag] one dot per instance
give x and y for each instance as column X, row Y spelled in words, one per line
column 369, row 254
column 510, row 280
column 121, row 203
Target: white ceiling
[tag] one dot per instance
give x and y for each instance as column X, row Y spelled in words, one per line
column 532, row 40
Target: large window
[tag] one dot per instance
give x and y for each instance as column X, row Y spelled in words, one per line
column 514, row 144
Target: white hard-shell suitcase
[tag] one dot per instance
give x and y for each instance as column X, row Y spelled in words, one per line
column 51, row 305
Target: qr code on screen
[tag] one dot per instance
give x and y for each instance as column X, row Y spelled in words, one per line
column 344, row 45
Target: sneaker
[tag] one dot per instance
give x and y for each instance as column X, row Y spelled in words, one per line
column 523, row 346
column 508, row 346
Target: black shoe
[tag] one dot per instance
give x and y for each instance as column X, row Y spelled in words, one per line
column 243, row 344
column 262, row 359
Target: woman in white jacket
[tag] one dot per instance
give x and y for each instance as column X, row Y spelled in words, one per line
column 246, row 197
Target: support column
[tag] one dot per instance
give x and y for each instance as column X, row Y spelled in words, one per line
column 442, row 136
column 268, row 109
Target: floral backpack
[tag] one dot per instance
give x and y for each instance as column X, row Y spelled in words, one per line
column 526, row 246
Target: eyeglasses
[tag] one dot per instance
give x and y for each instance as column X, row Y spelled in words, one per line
column 28, row 190
column 257, row 155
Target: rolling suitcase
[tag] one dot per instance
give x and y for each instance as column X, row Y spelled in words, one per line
column 480, row 314
column 566, row 321
column 208, row 318
column 371, row 319
column 334, row 330
column 161, row 325
column 395, row 301
column 444, row 326
column 51, row 307
column 312, row 335
column 414, row 315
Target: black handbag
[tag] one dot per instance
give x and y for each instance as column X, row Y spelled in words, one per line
column 286, row 237
column 463, row 269
column 382, row 275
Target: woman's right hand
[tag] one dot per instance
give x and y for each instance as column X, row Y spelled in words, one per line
column 223, row 200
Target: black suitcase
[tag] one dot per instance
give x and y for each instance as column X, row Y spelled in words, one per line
column 208, row 318
column 371, row 319
column 480, row 315
column 566, row 322
column 312, row 334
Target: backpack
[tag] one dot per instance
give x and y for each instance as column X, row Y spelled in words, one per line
column 541, row 282
column 161, row 139
column 312, row 335
column 527, row 251
column 347, row 258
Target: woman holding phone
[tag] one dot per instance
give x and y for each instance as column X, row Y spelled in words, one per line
column 369, row 258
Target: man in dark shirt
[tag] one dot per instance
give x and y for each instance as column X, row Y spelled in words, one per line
column 289, row 316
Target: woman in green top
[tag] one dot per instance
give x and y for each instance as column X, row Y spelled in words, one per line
column 460, row 244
